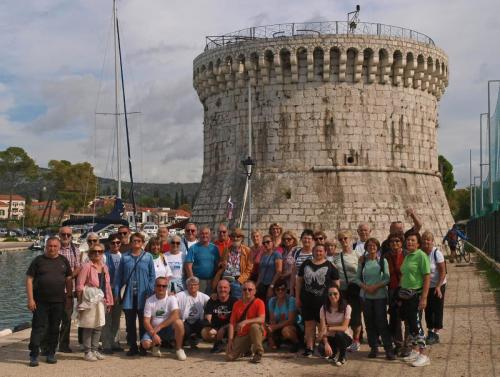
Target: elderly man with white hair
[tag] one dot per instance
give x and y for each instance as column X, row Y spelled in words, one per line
column 191, row 306
column 364, row 230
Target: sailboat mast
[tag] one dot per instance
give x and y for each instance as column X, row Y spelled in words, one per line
column 117, row 126
column 132, row 196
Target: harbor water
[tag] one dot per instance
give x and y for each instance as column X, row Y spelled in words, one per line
column 13, row 305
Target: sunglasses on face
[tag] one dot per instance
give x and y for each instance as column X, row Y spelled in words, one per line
column 136, row 240
column 247, row 289
column 334, row 294
column 319, row 239
column 92, row 241
column 161, row 285
column 122, row 233
column 175, row 243
column 287, row 239
column 116, row 243
column 266, row 242
column 190, row 230
column 223, row 231
column 64, row 234
column 96, row 252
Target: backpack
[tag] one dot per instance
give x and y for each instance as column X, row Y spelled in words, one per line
column 380, row 264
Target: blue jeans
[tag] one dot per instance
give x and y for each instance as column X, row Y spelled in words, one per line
column 236, row 289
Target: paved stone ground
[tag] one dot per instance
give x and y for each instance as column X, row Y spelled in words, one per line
column 470, row 346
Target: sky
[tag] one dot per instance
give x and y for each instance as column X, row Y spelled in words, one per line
column 56, row 73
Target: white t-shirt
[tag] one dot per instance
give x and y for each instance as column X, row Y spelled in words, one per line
column 160, row 309
column 161, row 267
column 115, row 257
column 192, row 308
column 359, row 248
column 335, row 318
column 176, row 263
column 435, row 254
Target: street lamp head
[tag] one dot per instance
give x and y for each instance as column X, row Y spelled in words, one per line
column 248, row 163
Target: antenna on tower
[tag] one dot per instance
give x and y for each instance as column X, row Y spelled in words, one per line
column 353, row 19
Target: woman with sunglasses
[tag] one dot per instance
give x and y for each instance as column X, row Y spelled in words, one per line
column 110, row 338
column 314, row 278
column 372, row 277
column 347, row 265
column 270, row 267
column 92, row 239
column 289, row 243
column 334, row 321
column 276, row 231
column 415, row 283
column 175, row 260
column 93, row 274
column 282, row 318
column 162, row 267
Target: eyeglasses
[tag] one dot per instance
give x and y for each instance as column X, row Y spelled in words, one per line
column 280, row 289
column 96, row 251
column 174, row 243
column 161, row 286
column 92, row 241
column 394, row 241
column 190, row 230
column 319, row 239
column 222, row 231
column 116, row 243
column 333, row 294
column 136, row 240
column 287, row 239
column 266, row 242
column 64, row 234
column 247, row 289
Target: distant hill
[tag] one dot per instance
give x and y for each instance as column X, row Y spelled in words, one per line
column 151, row 194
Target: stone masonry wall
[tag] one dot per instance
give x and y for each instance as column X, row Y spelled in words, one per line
column 344, row 131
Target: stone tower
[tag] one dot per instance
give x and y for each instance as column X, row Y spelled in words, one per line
column 344, row 126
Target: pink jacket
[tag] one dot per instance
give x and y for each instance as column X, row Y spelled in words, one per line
column 88, row 277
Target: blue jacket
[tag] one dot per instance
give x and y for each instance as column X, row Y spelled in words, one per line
column 111, row 266
column 144, row 274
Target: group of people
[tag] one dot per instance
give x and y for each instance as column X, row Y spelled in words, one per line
column 305, row 292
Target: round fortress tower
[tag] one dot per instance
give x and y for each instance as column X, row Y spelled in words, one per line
column 344, row 126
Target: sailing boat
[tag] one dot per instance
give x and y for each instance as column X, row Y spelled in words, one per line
column 116, row 214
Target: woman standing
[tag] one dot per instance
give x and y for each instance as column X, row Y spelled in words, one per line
column 176, row 262
column 314, row 278
column 161, row 265
column 270, row 267
column 302, row 253
column 135, row 281
column 282, row 318
column 95, row 297
column 372, row 277
column 334, row 321
column 256, row 250
column 276, row 231
column 435, row 297
column 347, row 264
column 289, row 244
column 415, row 283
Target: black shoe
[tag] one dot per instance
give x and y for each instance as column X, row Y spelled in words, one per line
column 389, row 355
column 397, row 350
column 404, row 352
column 257, row 358
column 65, row 350
column 436, row 338
column 307, row 352
column 117, row 349
column 218, row 347
column 133, row 351
column 373, row 353
column 142, row 351
column 107, row 351
column 33, row 361
column 44, row 353
column 51, row 358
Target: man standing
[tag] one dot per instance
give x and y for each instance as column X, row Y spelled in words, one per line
column 398, row 227
column 189, row 239
column 163, row 234
column 217, row 314
column 124, row 232
column 71, row 252
column 162, row 322
column 364, row 232
column 49, row 286
column 191, row 307
column 202, row 260
column 246, row 327
column 223, row 241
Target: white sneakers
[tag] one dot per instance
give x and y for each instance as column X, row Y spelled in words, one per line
column 156, row 352
column 89, row 356
column 413, row 356
column 421, row 361
column 98, row 355
column 181, row 355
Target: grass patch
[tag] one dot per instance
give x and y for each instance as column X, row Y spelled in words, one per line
column 492, row 275
column 11, row 239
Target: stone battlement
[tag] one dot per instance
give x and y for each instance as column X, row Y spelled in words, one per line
column 330, row 59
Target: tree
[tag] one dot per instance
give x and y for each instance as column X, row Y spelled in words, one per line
column 460, row 207
column 447, row 177
column 16, row 167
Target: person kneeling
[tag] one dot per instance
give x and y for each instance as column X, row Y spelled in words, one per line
column 217, row 315
column 246, row 327
column 162, row 321
column 282, row 318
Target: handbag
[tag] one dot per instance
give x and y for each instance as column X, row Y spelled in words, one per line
column 352, row 288
column 407, row 294
column 124, row 287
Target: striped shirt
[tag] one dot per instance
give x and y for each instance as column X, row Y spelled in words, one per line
column 72, row 254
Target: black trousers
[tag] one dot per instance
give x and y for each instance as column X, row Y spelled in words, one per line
column 131, row 316
column 375, row 314
column 395, row 323
column 339, row 343
column 413, row 316
column 45, row 326
column 434, row 309
column 192, row 329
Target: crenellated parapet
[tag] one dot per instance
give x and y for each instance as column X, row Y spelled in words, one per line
column 330, row 58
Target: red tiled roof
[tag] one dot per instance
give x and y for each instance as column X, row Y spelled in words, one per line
column 14, row 197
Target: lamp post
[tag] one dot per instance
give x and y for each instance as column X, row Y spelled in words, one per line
column 248, row 164
column 475, row 194
column 490, row 172
column 481, row 164
column 470, row 184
